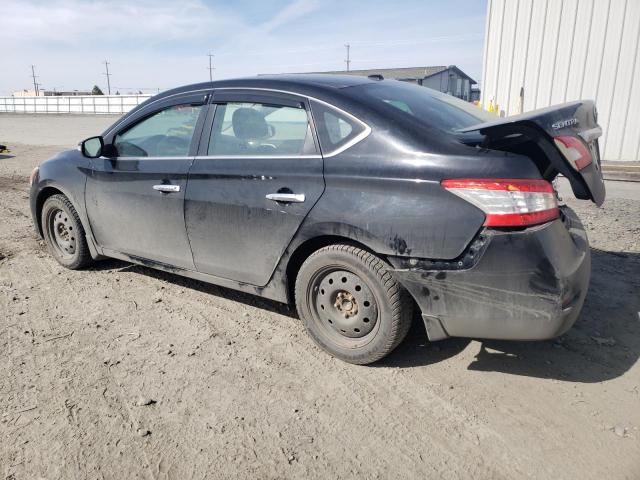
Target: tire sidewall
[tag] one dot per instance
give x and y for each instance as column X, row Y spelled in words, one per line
column 384, row 327
column 56, row 203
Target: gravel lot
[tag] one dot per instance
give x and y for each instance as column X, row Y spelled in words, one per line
column 51, row 130
column 125, row 372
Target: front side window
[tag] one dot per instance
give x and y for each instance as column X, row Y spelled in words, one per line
column 241, row 128
column 167, row 133
column 335, row 129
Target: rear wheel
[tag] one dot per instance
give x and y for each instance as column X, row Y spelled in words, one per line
column 63, row 233
column 351, row 305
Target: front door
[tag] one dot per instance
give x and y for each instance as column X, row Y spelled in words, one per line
column 135, row 199
column 257, row 176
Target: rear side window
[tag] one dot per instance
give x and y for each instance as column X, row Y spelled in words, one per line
column 335, row 129
column 167, row 133
column 259, row 129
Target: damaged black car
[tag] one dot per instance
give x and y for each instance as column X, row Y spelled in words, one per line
column 358, row 200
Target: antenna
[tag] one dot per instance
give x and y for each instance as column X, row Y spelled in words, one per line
column 348, row 60
column 34, row 76
column 106, row 66
column 211, row 68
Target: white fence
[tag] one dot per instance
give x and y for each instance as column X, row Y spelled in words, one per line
column 90, row 104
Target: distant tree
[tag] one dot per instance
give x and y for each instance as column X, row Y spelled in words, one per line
column 117, row 92
column 96, row 90
column 139, row 92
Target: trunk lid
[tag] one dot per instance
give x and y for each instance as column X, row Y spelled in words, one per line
column 560, row 139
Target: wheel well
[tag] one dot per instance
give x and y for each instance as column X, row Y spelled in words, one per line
column 42, row 197
column 305, row 249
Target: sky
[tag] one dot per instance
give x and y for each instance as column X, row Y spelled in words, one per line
column 154, row 45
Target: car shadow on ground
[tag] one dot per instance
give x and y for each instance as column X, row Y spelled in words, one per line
column 4, row 156
column 603, row 344
column 229, row 294
column 417, row 351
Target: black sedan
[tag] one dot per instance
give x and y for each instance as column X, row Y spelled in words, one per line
column 356, row 199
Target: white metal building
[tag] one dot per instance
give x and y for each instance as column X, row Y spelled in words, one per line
column 544, row 52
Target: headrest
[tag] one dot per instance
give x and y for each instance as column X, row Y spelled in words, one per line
column 249, row 124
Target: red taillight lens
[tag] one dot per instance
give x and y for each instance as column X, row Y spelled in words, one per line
column 508, row 202
column 574, row 150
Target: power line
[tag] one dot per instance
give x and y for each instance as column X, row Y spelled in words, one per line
column 34, row 76
column 211, row 68
column 348, row 60
column 106, row 66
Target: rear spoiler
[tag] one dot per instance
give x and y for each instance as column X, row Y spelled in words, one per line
column 567, row 136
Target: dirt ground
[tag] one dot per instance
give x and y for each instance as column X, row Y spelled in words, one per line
column 125, row 372
column 50, row 129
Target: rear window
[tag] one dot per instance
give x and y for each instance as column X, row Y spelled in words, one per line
column 335, row 129
column 426, row 105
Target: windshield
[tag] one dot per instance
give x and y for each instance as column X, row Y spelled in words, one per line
column 430, row 107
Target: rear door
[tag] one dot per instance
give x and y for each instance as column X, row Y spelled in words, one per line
column 135, row 197
column 257, row 175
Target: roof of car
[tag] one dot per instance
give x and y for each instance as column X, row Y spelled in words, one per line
column 320, row 79
column 279, row 81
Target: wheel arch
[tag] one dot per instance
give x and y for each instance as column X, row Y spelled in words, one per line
column 50, row 190
column 43, row 195
column 307, row 248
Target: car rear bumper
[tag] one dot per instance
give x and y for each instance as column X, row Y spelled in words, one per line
column 525, row 285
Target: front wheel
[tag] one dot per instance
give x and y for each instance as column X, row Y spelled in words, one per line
column 63, row 233
column 351, row 305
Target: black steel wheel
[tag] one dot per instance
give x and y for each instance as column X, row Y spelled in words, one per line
column 351, row 305
column 63, row 233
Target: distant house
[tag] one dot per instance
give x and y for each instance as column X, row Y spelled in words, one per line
column 449, row 79
column 475, row 94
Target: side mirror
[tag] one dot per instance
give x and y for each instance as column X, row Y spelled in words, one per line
column 92, row 147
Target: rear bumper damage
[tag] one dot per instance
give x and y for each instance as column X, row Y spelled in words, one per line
column 515, row 285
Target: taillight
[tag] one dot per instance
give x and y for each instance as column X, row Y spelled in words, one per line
column 508, row 202
column 574, row 150
column 34, row 176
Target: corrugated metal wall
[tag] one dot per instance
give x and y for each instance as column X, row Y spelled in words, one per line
column 555, row 51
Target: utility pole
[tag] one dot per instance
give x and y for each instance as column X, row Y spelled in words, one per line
column 106, row 66
column 33, row 75
column 348, row 60
column 211, row 69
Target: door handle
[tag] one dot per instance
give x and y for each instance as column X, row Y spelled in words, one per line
column 286, row 197
column 167, row 188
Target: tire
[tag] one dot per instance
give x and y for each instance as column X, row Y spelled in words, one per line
column 64, row 234
column 351, row 305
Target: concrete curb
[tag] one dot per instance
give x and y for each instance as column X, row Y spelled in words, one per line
column 621, row 171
